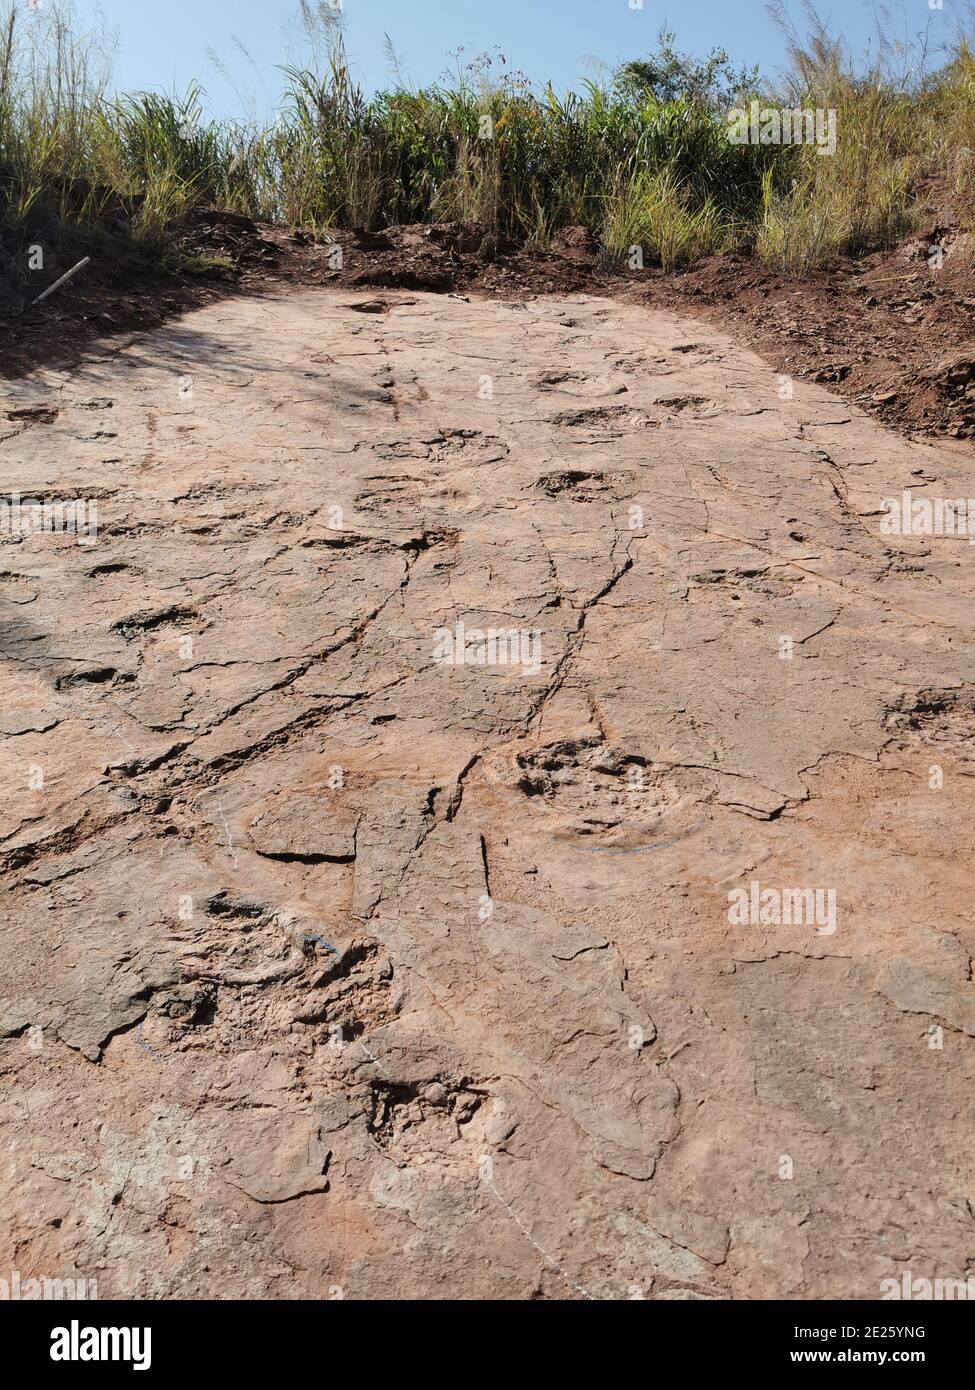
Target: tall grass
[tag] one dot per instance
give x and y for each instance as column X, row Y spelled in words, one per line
column 657, row 214
column 862, row 197
column 950, row 108
column 643, row 159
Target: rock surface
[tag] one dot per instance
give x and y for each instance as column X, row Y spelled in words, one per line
column 331, row 968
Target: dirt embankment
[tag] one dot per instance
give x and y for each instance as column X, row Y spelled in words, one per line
column 894, row 332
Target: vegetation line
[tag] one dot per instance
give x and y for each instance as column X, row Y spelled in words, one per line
column 646, row 159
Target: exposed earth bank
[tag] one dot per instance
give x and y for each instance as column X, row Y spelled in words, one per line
column 893, row 332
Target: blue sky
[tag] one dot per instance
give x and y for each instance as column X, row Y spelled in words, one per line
column 166, row 43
